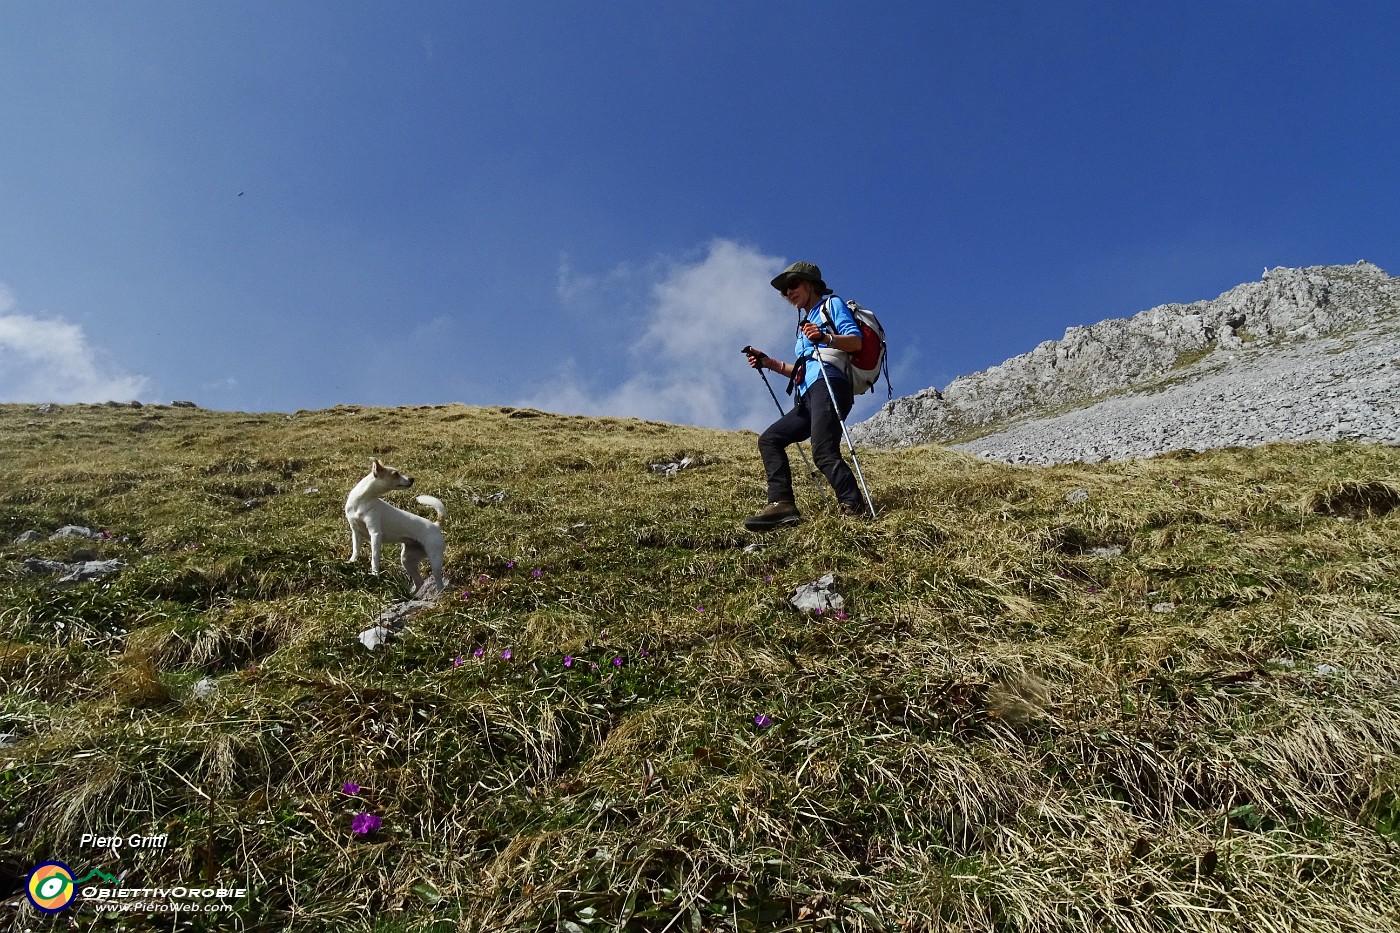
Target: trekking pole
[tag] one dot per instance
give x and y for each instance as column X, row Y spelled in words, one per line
column 821, row 364
column 811, row 470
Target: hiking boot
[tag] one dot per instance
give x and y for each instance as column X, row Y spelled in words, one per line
column 773, row 515
column 854, row 510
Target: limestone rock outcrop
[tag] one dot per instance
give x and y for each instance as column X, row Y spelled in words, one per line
column 1315, row 342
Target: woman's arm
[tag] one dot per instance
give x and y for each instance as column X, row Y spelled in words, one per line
column 846, row 343
column 847, row 338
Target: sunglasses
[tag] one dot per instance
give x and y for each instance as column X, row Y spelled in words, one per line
column 792, row 283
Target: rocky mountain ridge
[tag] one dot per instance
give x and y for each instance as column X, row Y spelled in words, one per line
column 1301, row 354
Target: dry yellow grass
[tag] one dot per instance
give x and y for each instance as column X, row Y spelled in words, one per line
column 1151, row 695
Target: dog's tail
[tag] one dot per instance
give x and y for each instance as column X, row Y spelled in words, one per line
column 434, row 503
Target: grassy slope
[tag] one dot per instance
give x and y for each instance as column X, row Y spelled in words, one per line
column 1003, row 731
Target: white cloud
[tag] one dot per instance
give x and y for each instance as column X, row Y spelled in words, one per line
column 50, row 360
column 685, row 364
column 624, row 285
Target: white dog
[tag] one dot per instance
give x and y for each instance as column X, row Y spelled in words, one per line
column 383, row 524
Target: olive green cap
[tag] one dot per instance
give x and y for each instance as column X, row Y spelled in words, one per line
column 805, row 271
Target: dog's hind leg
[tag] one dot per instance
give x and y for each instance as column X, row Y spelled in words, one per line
column 435, row 561
column 413, row 557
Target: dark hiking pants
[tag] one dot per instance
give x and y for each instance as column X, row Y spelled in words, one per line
column 812, row 417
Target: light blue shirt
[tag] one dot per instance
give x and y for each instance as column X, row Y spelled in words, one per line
column 805, row 349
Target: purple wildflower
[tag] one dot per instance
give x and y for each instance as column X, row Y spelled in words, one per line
column 365, row 823
column 568, row 660
column 351, row 788
column 478, row 652
column 763, row 720
column 537, row 573
column 457, row 661
column 506, row 654
column 617, row 662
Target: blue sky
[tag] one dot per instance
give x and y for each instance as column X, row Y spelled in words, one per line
column 270, row 206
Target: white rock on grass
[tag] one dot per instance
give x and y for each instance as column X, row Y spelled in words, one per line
column 671, row 469
column 375, row 637
column 69, row 574
column 390, row 623
column 818, row 596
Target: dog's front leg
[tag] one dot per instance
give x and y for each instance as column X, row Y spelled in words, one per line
column 354, row 540
column 374, row 542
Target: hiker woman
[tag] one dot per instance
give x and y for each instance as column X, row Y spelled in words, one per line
column 813, row 414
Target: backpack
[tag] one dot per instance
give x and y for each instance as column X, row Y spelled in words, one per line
column 863, row 368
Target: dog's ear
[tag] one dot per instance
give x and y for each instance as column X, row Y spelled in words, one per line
column 375, row 466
